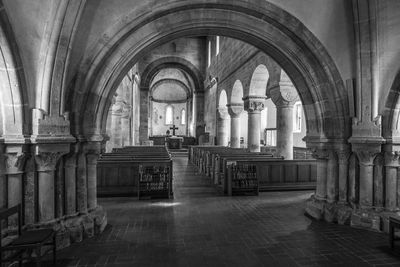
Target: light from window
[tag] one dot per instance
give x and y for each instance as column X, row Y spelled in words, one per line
column 297, row 113
column 169, row 115
column 209, row 53
column 183, row 117
column 217, row 46
column 270, row 136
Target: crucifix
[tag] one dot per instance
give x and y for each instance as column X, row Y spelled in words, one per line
column 173, row 128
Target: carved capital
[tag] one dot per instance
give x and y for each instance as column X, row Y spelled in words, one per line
column 223, row 113
column 235, row 109
column 254, row 103
column 47, row 161
column 284, row 94
column 392, row 158
column 343, row 156
column 366, row 157
column 14, row 162
column 320, row 153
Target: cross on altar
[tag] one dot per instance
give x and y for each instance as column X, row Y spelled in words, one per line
column 173, row 128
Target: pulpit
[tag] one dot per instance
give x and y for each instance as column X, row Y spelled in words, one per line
column 175, row 142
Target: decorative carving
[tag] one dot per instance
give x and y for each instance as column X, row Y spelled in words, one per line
column 320, row 153
column 343, row 156
column 46, row 161
column 14, row 162
column 392, row 158
column 254, row 103
column 366, row 157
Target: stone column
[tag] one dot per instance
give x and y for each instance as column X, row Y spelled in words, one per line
column 46, row 166
column 125, row 125
column 70, row 174
column 3, row 181
column 234, row 110
column 198, row 110
column 81, row 183
column 116, row 127
column 15, row 160
column 30, row 191
column 222, row 131
column 343, row 159
column 332, row 182
column 254, row 105
column 144, row 115
column 93, row 150
column 284, row 95
column 321, row 156
column 391, row 170
column 366, row 159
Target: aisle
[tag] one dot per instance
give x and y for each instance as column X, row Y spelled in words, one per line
column 200, row 228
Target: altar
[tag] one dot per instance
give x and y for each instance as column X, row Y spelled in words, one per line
column 174, row 142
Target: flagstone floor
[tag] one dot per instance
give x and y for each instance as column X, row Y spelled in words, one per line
column 200, row 228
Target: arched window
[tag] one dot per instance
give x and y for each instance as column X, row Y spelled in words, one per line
column 169, row 115
column 183, row 116
column 297, row 117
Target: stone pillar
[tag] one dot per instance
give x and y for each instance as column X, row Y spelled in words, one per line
column 234, row 110
column 321, row 156
column 343, row 159
column 116, row 127
column 284, row 95
column 15, row 157
column 222, row 131
column 81, row 183
column 198, row 109
column 46, row 166
column 254, row 105
column 3, row 181
column 391, row 170
column 125, row 126
column 30, row 191
column 144, row 115
column 70, row 183
column 93, row 150
column 366, row 159
column 332, row 181
column 284, row 130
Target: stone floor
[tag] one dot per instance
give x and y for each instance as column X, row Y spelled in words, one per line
column 200, row 228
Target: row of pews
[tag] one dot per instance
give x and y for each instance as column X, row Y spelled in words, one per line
column 142, row 171
column 237, row 171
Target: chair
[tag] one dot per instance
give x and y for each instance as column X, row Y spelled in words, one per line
column 25, row 243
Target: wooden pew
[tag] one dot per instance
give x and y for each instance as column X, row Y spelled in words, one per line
column 277, row 174
column 135, row 171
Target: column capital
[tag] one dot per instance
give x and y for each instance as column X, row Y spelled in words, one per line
column 320, row 153
column 14, row 156
column 343, row 156
column 47, row 161
column 366, row 152
column 223, row 113
column 284, row 94
column 253, row 103
column 235, row 109
column 392, row 158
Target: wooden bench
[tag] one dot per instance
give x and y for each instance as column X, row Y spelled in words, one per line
column 20, row 247
column 126, row 171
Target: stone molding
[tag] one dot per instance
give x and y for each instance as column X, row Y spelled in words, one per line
column 235, row 109
column 254, row 103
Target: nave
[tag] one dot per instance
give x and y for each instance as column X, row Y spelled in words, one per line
column 200, row 228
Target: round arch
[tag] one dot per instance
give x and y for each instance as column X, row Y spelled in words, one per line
column 14, row 111
column 391, row 113
column 259, row 81
column 237, row 92
column 311, row 69
column 222, row 99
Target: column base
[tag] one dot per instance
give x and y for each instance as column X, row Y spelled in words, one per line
column 77, row 227
column 374, row 219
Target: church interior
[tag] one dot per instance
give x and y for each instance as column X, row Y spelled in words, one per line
column 199, row 133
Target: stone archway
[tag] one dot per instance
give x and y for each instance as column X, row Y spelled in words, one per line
column 316, row 77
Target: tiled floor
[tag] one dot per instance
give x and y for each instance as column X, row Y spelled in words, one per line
column 200, row 228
